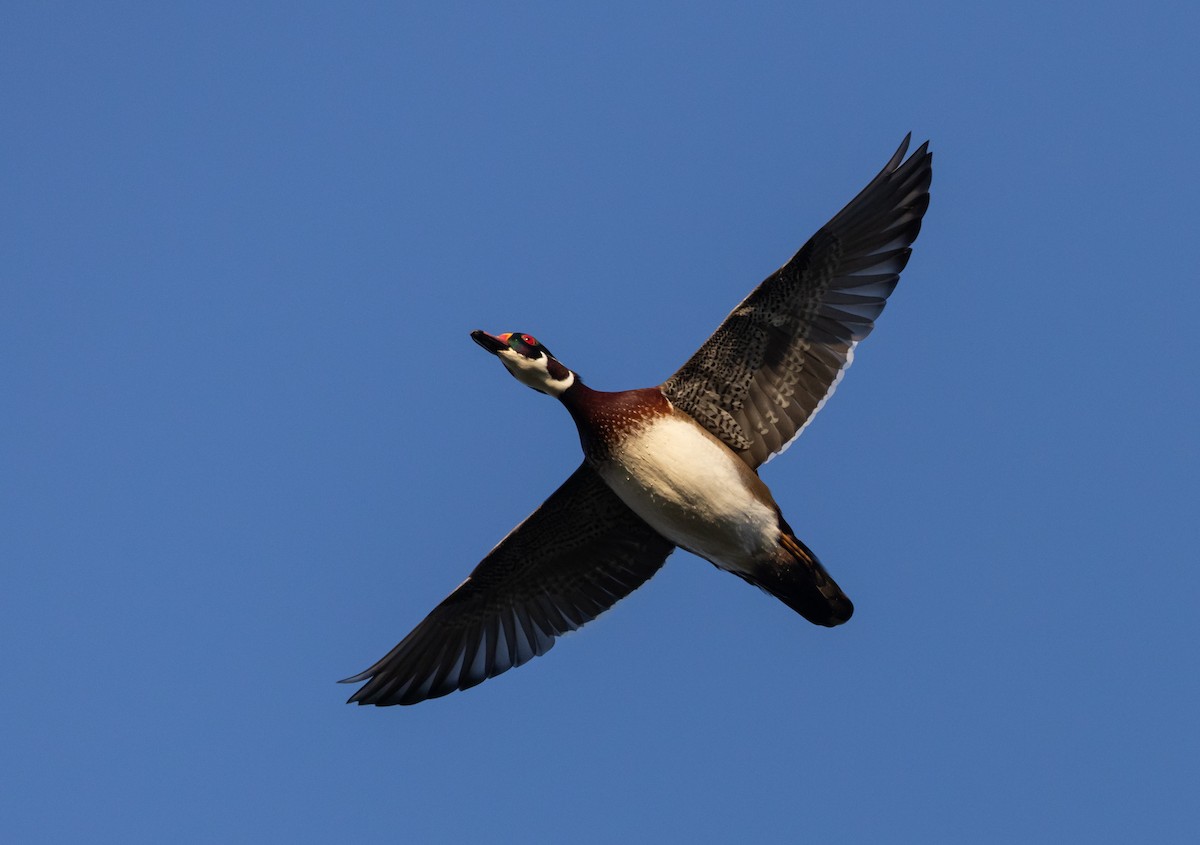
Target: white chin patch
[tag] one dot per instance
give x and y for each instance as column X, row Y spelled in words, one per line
column 534, row 372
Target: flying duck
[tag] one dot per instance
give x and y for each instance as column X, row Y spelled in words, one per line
column 675, row 465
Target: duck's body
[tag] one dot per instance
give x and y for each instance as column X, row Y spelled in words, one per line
column 675, row 465
column 682, row 481
column 693, row 490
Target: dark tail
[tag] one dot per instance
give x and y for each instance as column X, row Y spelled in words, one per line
column 798, row 580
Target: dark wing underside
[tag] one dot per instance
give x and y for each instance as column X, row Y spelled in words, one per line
column 573, row 558
column 770, row 366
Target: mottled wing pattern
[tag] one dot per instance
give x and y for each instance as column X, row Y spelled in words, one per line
column 777, row 357
column 573, row 558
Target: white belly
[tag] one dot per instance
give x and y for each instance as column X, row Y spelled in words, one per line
column 687, row 486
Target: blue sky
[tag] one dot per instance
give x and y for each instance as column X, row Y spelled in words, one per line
column 246, row 442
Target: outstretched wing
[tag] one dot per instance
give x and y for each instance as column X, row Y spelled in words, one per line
column 777, row 357
column 575, row 557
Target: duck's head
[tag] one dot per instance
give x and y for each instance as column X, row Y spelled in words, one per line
column 528, row 361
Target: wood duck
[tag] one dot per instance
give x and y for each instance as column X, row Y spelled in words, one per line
column 675, row 465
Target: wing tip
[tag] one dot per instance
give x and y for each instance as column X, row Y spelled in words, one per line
column 898, row 156
column 901, row 156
